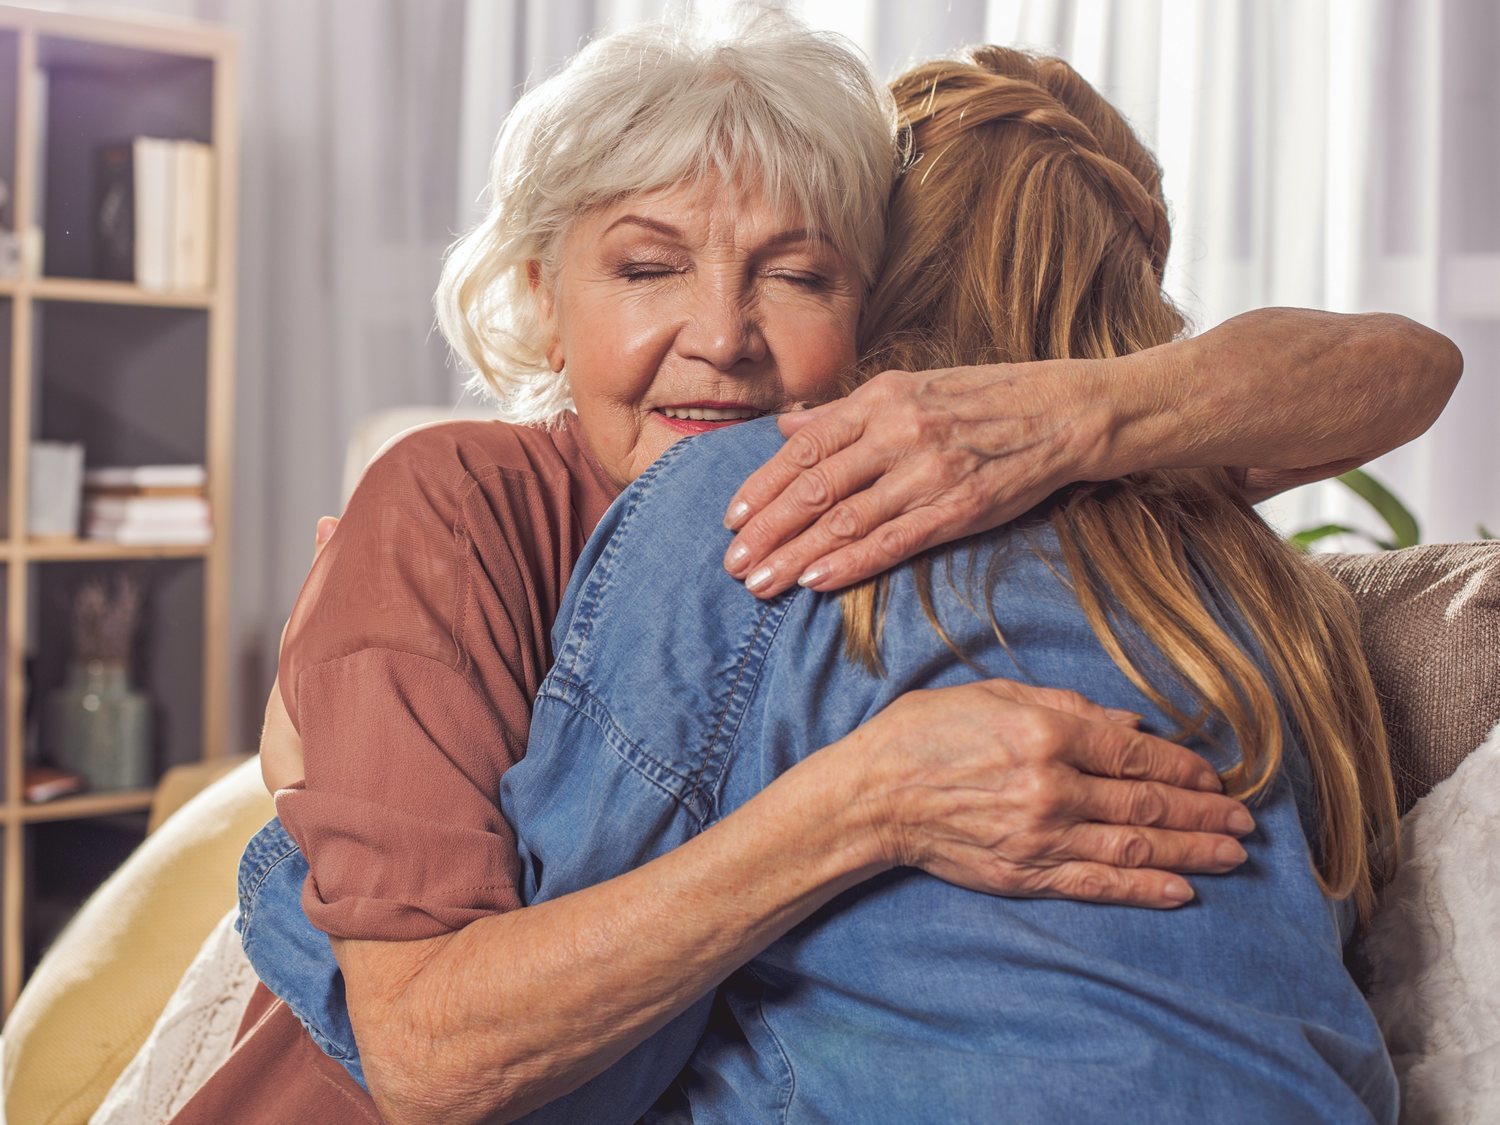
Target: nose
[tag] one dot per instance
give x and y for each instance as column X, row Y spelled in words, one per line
column 723, row 329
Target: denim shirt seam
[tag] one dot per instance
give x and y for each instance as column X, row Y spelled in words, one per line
column 262, row 863
column 790, row 1087
column 751, row 665
column 577, row 698
column 598, row 582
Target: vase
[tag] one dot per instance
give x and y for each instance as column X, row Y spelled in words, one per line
column 96, row 726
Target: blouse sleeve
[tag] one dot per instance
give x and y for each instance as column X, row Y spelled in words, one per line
column 408, row 669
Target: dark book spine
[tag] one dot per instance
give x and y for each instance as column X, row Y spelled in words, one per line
column 115, row 214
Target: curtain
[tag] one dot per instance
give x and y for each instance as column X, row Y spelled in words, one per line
column 1341, row 154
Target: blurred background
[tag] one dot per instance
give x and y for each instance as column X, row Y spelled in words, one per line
column 1340, row 154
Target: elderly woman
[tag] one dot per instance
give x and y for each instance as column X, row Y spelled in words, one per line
column 682, row 237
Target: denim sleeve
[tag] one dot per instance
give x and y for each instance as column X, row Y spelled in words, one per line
column 292, row 957
column 588, row 808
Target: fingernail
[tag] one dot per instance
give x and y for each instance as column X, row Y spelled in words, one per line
column 737, row 554
column 761, row 577
column 737, row 515
column 1211, row 783
column 1240, row 821
column 325, row 529
column 1178, row 891
column 1120, row 715
column 814, row 574
column 1231, row 853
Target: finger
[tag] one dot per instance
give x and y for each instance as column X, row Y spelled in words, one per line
column 890, row 543
column 1201, row 852
column 793, row 420
column 1098, row 882
column 325, row 530
column 1115, row 752
column 1149, row 804
column 1058, row 699
column 834, row 491
column 812, row 443
column 886, row 546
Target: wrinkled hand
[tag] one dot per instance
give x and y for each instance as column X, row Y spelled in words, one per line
column 1037, row 793
column 280, row 745
column 908, row 461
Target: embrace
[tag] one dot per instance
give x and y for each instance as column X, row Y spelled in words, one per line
column 848, row 761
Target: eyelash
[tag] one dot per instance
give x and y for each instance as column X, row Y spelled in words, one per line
column 655, row 271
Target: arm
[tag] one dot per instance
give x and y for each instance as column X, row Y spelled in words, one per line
column 910, row 460
column 499, row 1018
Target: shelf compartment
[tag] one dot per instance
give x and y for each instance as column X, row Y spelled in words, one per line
column 166, row 662
column 6, row 392
column 126, row 382
column 88, row 805
column 10, row 67
column 98, row 94
column 65, row 863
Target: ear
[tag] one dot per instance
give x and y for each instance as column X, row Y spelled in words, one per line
column 546, row 314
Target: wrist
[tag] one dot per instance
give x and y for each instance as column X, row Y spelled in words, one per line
column 1138, row 423
column 852, row 809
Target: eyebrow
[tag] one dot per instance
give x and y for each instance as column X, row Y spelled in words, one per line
column 782, row 238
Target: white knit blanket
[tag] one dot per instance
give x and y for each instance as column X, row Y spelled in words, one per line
column 1434, row 950
column 192, row 1037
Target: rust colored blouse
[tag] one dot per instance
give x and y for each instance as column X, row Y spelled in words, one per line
column 409, row 667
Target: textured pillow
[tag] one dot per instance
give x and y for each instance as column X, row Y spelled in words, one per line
column 1430, row 624
column 99, row 989
column 1434, row 980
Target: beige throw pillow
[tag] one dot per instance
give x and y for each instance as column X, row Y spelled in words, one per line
column 1430, row 624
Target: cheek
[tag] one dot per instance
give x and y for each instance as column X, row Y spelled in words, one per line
column 817, row 352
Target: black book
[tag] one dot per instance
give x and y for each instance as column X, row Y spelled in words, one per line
column 115, row 214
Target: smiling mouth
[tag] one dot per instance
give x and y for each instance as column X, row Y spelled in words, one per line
column 710, row 413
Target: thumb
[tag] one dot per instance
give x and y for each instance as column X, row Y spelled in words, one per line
column 326, row 527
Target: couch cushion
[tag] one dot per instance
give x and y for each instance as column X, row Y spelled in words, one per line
column 97, row 992
column 1430, row 624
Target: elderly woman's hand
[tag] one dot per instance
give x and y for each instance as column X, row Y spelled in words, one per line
column 280, row 744
column 907, row 461
column 1037, row 793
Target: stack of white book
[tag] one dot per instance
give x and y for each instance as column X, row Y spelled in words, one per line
column 155, row 219
column 160, row 505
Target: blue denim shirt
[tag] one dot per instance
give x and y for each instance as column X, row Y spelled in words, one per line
column 676, row 696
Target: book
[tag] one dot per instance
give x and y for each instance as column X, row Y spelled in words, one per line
column 153, row 212
column 145, row 509
column 114, row 212
column 43, row 783
column 146, row 476
column 135, row 535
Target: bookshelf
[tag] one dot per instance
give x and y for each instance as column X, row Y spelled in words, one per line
column 137, row 376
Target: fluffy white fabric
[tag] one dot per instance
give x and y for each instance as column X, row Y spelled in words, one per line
column 1432, row 950
column 193, row 1036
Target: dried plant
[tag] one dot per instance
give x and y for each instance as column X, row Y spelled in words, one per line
column 104, row 623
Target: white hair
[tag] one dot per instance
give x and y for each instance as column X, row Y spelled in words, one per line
column 795, row 110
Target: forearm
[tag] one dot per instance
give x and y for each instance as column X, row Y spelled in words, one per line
column 1290, row 394
column 520, row 1008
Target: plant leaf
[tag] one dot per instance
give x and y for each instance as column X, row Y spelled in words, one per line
column 1305, row 538
column 1403, row 525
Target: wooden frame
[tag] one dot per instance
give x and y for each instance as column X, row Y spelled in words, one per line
column 65, row 33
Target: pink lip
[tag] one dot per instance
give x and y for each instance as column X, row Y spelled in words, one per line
column 695, row 426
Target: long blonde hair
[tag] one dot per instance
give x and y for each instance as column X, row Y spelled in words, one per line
column 1030, row 225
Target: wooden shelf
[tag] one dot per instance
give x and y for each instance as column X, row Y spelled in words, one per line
column 136, row 376
column 94, row 550
column 87, row 804
column 84, row 290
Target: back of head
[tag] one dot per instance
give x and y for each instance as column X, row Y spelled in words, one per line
column 1028, row 196
column 1028, row 225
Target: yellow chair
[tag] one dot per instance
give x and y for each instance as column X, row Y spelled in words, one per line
column 100, row 987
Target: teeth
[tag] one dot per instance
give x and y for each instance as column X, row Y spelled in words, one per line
column 704, row 414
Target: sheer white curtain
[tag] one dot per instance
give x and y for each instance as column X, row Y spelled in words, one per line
column 1332, row 153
